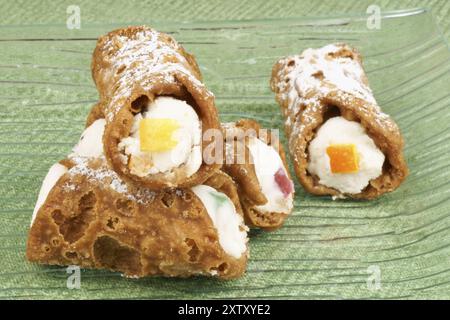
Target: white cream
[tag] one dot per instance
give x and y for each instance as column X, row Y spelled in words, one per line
column 229, row 224
column 338, row 130
column 267, row 162
column 91, row 141
column 188, row 149
column 55, row 172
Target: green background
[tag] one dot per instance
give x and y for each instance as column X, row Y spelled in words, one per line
column 326, row 248
column 24, row 12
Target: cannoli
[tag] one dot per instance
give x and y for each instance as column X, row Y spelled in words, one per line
column 92, row 219
column 86, row 215
column 156, row 109
column 256, row 161
column 340, row 141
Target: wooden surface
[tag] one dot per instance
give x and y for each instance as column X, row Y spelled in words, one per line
column 327, row 249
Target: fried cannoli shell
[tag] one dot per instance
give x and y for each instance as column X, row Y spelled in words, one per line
column 128, row 77
column 97, row 112
column 250, row 191
column 305, row 111
column 112, row 59
column 92, row 219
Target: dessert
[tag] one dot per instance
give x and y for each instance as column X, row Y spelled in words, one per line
column 92, row 219
column 256, row 161
column 86, row 215
column 135, row 195
column 340, row 142
column 156, row 109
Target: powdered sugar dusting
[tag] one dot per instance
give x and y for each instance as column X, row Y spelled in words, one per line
column 69, row 187
column 141, row 61
column 304, row 80
column 108, row 178
column 317, row 72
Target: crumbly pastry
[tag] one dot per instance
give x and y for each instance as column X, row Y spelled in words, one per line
column 93, row 219
column 340, row 141
column 258, row 166
column 147, row 85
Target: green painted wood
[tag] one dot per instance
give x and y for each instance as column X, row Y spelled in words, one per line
column 326, row 247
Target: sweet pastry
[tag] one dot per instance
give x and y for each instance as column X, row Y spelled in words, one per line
column 256, row 161
column 156, row 109
column 92, row 219
column 340, row 141
column 259, row 169
column 86, row 215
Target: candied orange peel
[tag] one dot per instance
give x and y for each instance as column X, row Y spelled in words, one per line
column 344, row 158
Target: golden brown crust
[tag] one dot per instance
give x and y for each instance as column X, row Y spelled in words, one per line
column 106, row 71
column 247, row 183
column 95, row 113
column 93, row 220
column 250, row 192
column 305, row 110
column 133, row 66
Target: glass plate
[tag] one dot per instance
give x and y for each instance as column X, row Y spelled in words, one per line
column 327, row 249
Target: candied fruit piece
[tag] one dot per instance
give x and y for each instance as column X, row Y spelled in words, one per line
column 343, row 158
column 156, row 134
column 284, row 183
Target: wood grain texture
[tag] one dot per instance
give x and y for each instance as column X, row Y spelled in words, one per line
column 326, row 247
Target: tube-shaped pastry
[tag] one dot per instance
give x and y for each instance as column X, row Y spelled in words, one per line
column 256, row 161
column 156, row 109
column 86, row 215
column 92, row 219
column 340, row 141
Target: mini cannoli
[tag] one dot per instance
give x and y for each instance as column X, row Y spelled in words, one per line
column 340, row 141
column 86, row 215
column 156, row 109
column 256, row 161
column 92, row 219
